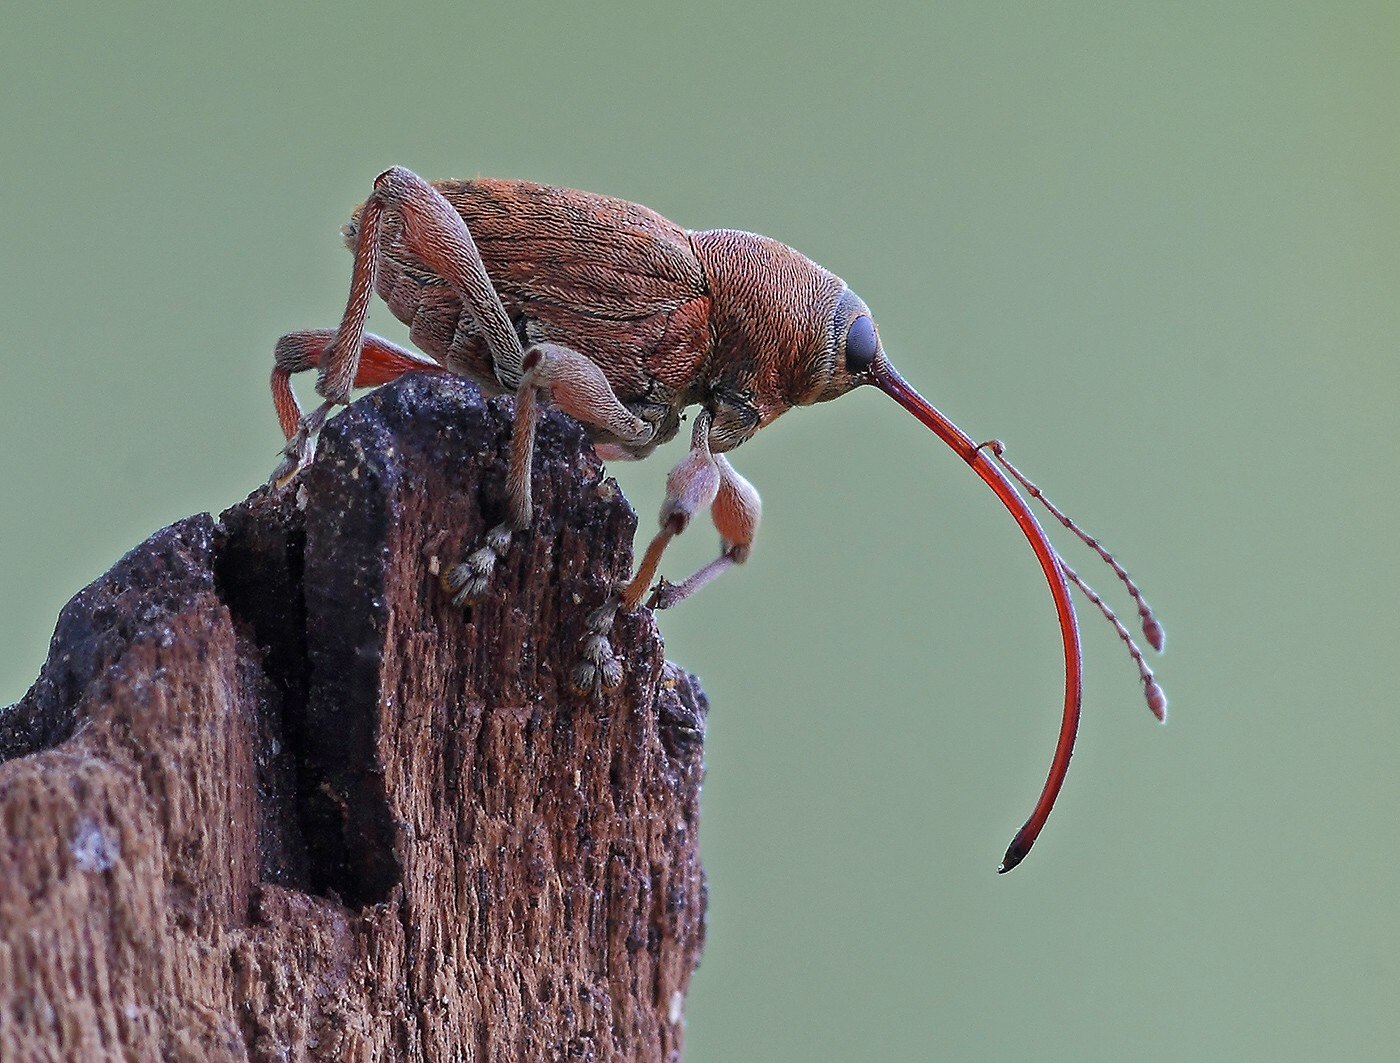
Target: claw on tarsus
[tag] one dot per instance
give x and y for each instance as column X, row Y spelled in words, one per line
column 600, row 670
column 467, row 582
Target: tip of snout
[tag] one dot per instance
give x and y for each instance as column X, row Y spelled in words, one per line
column 1015, row 852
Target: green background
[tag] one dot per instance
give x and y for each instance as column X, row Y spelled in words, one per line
column 1152, row 246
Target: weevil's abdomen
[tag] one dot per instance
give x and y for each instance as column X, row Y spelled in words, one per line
column 611, row 279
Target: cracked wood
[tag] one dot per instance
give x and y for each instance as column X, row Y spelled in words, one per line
column 272, row 798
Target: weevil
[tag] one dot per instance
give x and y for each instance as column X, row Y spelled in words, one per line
column 623, row 320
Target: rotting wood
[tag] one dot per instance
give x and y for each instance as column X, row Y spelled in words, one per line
column 273, row 798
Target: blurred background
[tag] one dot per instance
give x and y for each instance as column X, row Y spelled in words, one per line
column 1151, row 246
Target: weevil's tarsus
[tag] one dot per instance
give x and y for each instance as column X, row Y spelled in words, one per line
column 467, row 582
column 599, row 670
column 380, row 362
column 300, row 445
column 884, row 376
column 666, row 594
column 1151, row 628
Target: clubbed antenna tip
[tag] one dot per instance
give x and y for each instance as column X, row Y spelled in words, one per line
column 1157, row 700
column 1152, row 629
column 1155, row 634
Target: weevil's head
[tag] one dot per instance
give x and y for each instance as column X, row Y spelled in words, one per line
column 853, row 350
column 789, row 327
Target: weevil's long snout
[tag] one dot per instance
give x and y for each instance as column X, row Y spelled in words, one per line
column 884, row 376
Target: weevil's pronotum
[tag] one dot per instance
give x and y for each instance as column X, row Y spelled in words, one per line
column 623, row 320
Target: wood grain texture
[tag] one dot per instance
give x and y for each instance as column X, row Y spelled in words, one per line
column 273, row 798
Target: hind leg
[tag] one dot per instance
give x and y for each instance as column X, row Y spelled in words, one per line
column 380, row 362
column 436, row 234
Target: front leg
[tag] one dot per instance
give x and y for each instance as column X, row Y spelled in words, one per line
column 735, row 511
column 693, row 484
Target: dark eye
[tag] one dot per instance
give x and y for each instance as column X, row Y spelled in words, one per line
column 861, row 345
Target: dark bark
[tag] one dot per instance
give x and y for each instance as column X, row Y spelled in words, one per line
column 274, row 797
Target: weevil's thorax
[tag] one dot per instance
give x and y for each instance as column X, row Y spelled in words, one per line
column 772, row 316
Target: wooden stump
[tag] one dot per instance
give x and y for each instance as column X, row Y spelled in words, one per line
column 273, row 797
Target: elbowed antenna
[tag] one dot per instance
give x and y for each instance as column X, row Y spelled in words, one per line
column 891, row 383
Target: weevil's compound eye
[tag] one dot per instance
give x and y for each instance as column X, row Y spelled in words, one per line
column 862, row 344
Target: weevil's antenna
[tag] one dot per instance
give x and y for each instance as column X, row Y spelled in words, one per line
column 1156, row 696
column 1151, row 627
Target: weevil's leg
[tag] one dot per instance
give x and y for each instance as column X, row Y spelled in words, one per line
column 284, row 400
column 736, row 512
column 296, row 352
column 341, row 363
column 436, row 234
column 342, row 359
column 467, row 582
column 380, row 361
column 299, row 446
column 598, row 668
column 575, row 385
column 693, row 484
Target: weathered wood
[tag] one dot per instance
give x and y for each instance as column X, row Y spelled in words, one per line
column 273, row 797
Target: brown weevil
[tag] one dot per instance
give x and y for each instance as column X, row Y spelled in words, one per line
column 623, row 320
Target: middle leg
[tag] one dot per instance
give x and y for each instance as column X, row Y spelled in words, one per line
column 575, row 385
